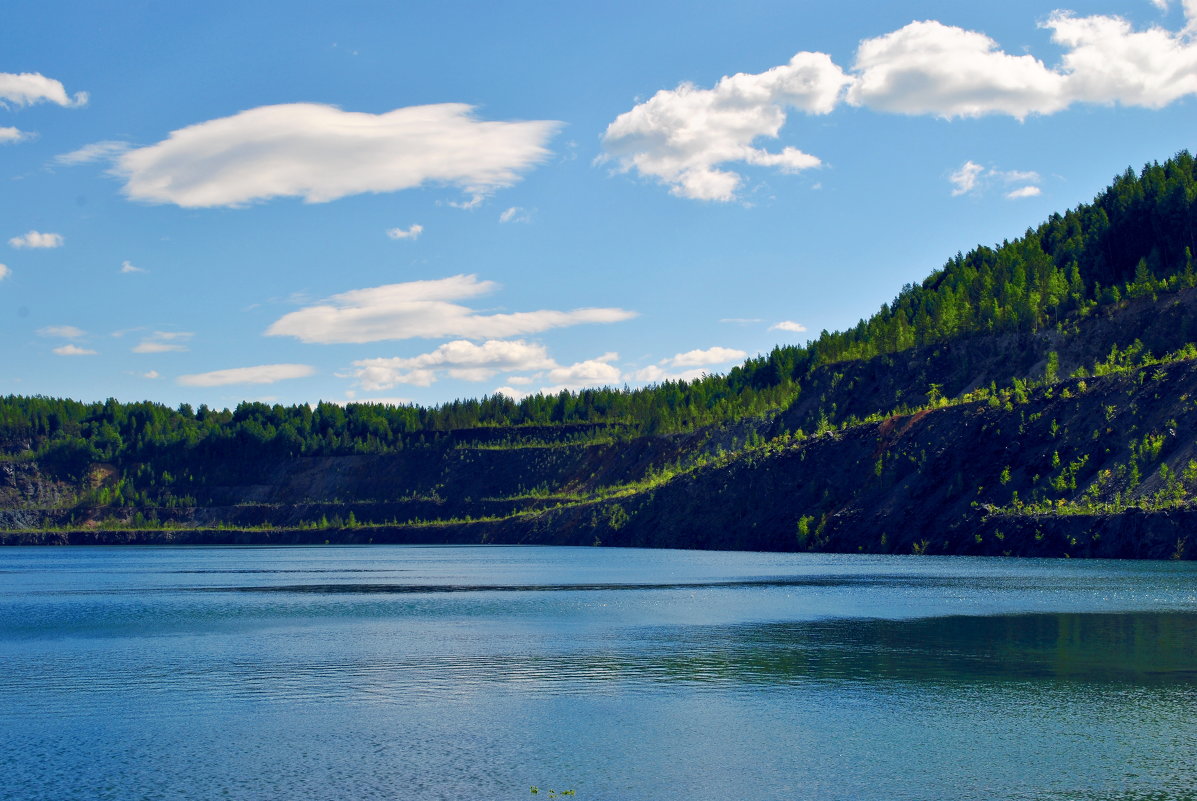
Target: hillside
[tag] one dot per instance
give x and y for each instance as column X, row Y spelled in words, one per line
column 1033, row 398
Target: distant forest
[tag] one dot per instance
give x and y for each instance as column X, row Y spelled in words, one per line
column 1135, row 239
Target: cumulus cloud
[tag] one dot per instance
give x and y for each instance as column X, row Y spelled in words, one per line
column 710, row 356
column 96, row 151
column 261, row 374
column 932, row 68
column 10, row 136
column 681, row 136
column 321, row 153
column 673, row 368
column 164, row 342
column 61, row 331
column 36, row 239
column 129, row 267
column 4, row 271
column 423, row 309
column 460, row 359
column 28, row 88
column 73, row 350
column 412, row 232
column 788, row 325
column 1109, row 62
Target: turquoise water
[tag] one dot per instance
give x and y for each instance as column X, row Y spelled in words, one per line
column 474, row 673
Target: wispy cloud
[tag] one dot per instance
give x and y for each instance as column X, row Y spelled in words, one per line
column 321, row 153
column 423, row 309
column 73, row 350
column 36, row 239
column 964, row 180
column 4, row 271
column 411, row 232
column 61, row 331
column 96, row 151
column 128, row 267
column 515, row 214
column 788, row 325
column 1024, row 191
column 10, row 136
column 260, row 374
column 164, row 342
column 973, row 179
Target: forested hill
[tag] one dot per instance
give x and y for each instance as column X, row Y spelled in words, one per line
column 1080, row 296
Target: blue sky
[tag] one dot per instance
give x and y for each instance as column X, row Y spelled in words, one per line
column 292, row 201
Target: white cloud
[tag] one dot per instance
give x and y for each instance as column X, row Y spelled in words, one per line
column 741, row 320
column 964, row 180
column 460, row 359
column 261, row 374
column 412, row 232
column 972, row 178
column 10, row 136
column 1109, row 62
column 697, row 360
column 28, row 88
column 61, row 331
column 710, row 356
column 515, row 214
column 423, row 309
column 151, row 374
column 4, row 271
column 36, row 239
column 931, row 68
column 96, row 151
column 1024, row 191
column 321, row 153
column 788, row 325
column 591, row 373
column 164, row 342
column 1162, row 5
column 129, row 267
column 681, row 136
column 73, row 350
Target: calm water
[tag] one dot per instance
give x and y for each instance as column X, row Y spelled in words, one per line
column 474, row 673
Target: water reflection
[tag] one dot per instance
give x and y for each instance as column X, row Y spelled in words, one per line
column 473, row 674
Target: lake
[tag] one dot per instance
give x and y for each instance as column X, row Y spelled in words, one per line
column 397, row 672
